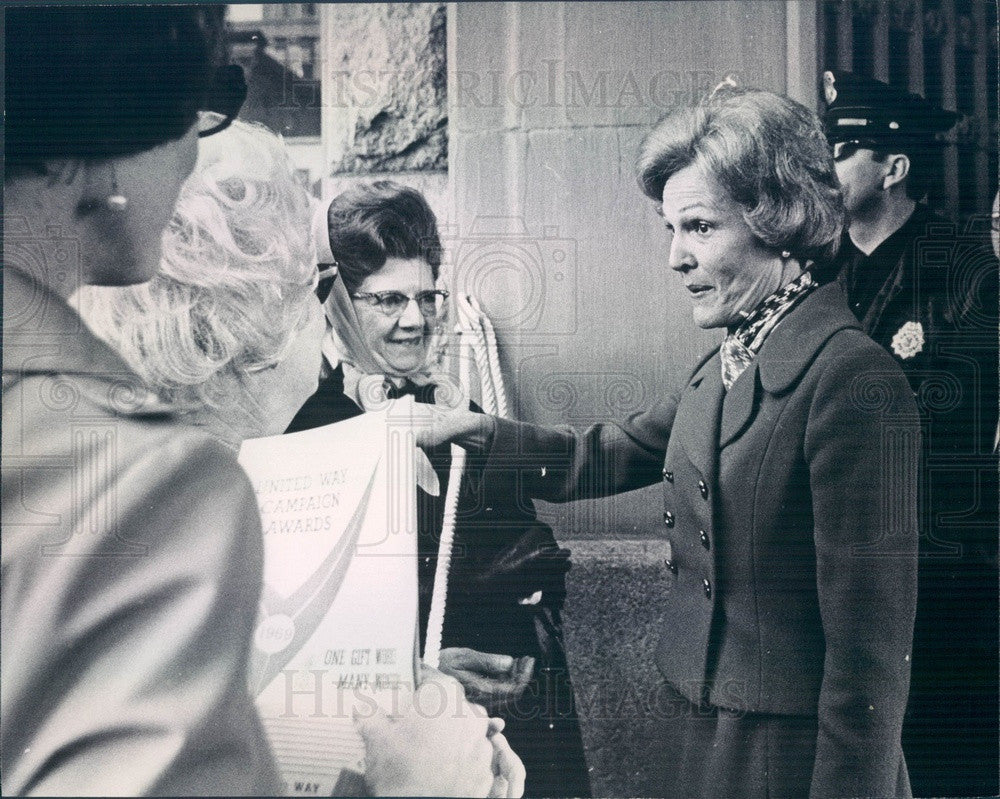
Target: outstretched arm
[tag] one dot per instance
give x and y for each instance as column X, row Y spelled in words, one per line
column 558, row 464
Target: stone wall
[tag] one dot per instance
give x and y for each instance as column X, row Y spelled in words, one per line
column 384, row 75
column 549, row 104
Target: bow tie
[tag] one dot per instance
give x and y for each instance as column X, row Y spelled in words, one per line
column 427, row 478
column 424, row 394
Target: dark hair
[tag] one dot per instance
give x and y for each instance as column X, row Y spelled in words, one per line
column 104, row 81
column 768, row 152
column 375, row 221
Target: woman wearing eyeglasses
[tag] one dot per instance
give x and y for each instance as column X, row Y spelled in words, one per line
column 131, row 542
column 228, row 335
column 502, row 633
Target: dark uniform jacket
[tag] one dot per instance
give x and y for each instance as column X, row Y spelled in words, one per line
column 927, row 275
column 789, row 506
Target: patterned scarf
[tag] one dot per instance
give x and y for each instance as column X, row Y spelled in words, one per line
column 739, row 347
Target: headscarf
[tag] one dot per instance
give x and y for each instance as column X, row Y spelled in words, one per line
column 366, row 380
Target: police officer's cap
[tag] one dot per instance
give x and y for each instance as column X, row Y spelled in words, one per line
column 862, row 108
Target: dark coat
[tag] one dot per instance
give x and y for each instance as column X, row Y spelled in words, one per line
column 501, row 554
column 928, row 273
column 788, row 503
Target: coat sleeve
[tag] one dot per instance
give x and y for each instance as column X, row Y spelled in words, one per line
column 558, row 464
column 129, row 675
column 862, row 446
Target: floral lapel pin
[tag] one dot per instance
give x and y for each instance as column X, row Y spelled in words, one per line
column 909, row 340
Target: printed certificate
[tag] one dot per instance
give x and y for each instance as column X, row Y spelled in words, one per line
column 338, row 614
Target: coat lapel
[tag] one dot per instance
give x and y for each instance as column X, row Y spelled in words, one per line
column 785, row 355
column 795, row 341
column 739, row 404
column 709, row 418
column 697, row 422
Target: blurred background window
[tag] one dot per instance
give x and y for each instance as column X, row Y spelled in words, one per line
column 356, row 89
column 945, row 50
column 277, row 44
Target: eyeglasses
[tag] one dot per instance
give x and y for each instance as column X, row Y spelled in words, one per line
column 842, row 150
column 224, row 100
column 393, row 303
column 212, row 122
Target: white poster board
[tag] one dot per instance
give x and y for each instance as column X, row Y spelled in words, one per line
column 338, row 616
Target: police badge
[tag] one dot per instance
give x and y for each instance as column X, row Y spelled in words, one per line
column 909, row 340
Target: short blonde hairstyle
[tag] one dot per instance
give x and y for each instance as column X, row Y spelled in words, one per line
column 236, row 276
column 769, row 152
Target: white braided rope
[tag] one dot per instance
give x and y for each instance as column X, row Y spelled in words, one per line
column 493, row 356
column 475, row 332
column 471, row 322
column 439, row 593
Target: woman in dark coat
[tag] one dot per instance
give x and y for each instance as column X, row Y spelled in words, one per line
column 502, row 634
column 788, row 462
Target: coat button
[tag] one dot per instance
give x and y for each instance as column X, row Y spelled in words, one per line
column 668, row 519
column 668, row 475
column 707, row 586
column 703, row 489
column 670, row 565
column 704, row 539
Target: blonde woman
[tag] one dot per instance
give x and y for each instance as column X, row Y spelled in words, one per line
column 229, row 335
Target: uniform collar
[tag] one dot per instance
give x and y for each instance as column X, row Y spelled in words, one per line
column 886, row 256
column 873, row 281
column 888, row 253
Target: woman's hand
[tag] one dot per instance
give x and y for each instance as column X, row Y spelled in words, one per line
column 439, row 424
column 494, row 681
column 438, row 746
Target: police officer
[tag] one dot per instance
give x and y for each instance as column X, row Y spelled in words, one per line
column 929, row 296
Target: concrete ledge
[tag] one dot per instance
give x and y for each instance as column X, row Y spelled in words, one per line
column 612, row 629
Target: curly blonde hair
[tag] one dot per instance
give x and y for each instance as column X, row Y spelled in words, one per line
column 236, row 276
